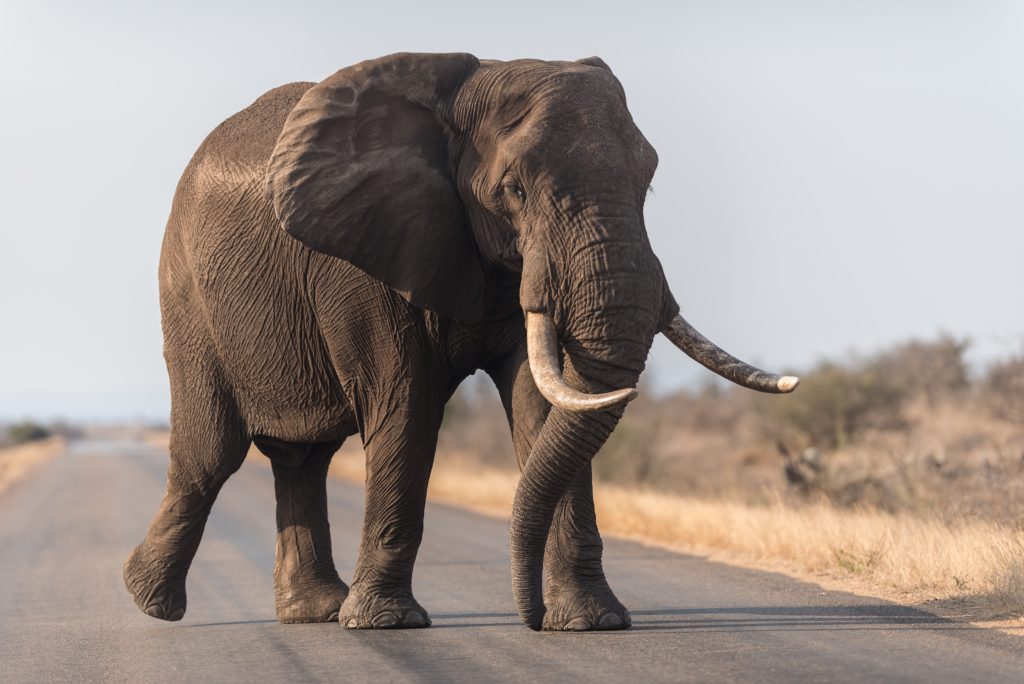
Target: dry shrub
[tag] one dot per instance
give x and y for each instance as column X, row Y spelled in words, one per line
column 1004, row 389
column 838, row 402
column 1008, row 590
column 26, row 431
column 930, row 370
column 835, row 404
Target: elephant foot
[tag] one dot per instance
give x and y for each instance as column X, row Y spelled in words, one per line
column 320, row 602
column 375, row 610
column 158, row 589
column 581, row 609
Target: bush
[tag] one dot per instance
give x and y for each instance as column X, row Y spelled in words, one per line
column 26, row 431
column 931, row 370
column 835, row 403
column 1004, row 388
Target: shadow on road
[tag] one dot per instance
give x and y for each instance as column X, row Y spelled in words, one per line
column 771, row 618
column 227, row 624
column 790, row 618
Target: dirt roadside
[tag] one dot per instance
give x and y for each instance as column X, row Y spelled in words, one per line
column 17, row 461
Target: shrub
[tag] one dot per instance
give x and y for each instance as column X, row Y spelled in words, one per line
column 835, row 403
column 931, row 370
column 26, row 431
column 1004, row 388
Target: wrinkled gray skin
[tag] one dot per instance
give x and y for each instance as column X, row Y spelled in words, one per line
column 341, row 255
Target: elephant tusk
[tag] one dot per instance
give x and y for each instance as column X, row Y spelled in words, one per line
column 542, row 349
column 706, row 353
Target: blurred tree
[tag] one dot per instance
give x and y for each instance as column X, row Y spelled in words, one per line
column 1004, row 388
column 835, row 403
column 26, row 431
column 928, row 369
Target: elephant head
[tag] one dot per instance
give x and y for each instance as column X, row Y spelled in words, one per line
column 437, row 173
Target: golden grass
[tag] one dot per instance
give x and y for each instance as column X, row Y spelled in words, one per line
column 15, row 461
column 900, row 556
column 971, row 570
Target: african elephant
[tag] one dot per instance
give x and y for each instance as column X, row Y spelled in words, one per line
column 341, row 255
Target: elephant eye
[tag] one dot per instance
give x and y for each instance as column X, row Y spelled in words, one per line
column 517, row 190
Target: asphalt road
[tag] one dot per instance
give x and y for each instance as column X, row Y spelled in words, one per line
column 64, row 615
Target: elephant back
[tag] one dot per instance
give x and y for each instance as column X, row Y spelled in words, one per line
column 249, row 136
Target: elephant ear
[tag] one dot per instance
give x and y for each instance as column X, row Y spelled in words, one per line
column 594, row 62
column 361, row 172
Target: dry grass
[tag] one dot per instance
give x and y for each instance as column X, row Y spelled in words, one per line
column 899, row 556
column 15, row 461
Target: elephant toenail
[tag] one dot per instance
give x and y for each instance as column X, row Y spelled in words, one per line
column 610, row 621
column 385, row 619
column 414, row 618
column 158, row 611
column 579, row 624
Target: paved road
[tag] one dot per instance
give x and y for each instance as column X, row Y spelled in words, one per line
column 64, row 614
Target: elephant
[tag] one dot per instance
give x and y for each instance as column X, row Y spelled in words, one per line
column 340, row 255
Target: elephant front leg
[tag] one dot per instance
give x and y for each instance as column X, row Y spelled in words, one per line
column 306, row 584
column 398, row 461
column 577, row 595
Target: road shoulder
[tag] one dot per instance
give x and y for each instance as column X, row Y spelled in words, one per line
column 17, row 461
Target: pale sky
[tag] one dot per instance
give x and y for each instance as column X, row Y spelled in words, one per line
column 834, row 176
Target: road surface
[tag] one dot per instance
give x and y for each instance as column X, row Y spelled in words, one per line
column 64, row 615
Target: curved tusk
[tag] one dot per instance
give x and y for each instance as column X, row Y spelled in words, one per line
column 706, row 353
column 542, row 349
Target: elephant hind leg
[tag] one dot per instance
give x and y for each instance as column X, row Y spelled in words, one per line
column 306, row 584
column 208, row 443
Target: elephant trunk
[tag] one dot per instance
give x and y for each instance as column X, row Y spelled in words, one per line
column 566, row 444
column 608, row 323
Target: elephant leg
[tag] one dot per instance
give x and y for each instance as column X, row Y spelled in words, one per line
column 208, row 444
column 399, row 456
column 576, row 595
column 306, row 584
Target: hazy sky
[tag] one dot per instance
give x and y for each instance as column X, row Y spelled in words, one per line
column 834, row 177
